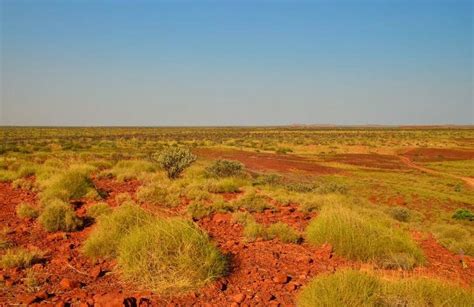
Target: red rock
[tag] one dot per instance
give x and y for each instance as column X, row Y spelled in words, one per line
column 68, row 284
column 96, row 272
column 281, row 279
column 27, row 299
column 238, row 298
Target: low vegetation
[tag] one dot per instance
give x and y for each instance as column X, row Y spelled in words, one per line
column 59, row 216
column 26, row 211
column 456, row 238
column 463, row 214
column 224, row 168
column 359, row 236
column 353, row 288
column 159, row 194
column 165, row 255
column 99, row 209
column 174, row 160
column 20, row 258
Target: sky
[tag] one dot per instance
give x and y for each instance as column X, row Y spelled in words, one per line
column 191, row 63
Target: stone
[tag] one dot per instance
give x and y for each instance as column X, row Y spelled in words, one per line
column 68, row 284
column 238, row 298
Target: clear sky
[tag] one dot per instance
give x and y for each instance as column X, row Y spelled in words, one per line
column 236, row 62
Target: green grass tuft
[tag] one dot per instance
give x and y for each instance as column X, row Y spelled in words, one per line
column 26, row 211
column 59, row 216
column 19, row 258
column 360, row 236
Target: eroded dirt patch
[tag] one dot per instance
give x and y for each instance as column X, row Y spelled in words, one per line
column 438, row 154
column 268, row 161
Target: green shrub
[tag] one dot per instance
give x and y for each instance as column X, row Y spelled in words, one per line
column 360, row 236
column 59, row 216
column 159, row 194
column 175, row 160
column 226, row 185
column 241, row 217
column 25, row 210
column 169, row 255
column 400, row 214
column 225, row 168
column 19, row 258
column 283, row 150
column 24, row 184
column 99, row 209
column 110, row 229
column 463, row 214
column 353, row 288
column 268, row 179
column 123, row 197
column 456, row 238
column 253, row 230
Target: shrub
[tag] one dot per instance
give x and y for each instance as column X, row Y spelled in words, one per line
column 159, row 194
column 4, row 241
column 175, row 160
column 463, row 214
column 400, row 214
column 353, row 288
column 19, row 258
column 456, row 238
column 225, row 168
column 283, row 150
column 283, row 232
column 123, row 197
column 254, row 230
column 24, row 184
column 25, row 210
column 104, row 239
column 361, row 236
column 226, row 185
column 267, row 179
column 59, row 216
column 241, row 217
column 169, row 255
column 98, row 210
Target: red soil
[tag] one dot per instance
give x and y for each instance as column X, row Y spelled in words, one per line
column 268, row 161
column 262, row 272
column 370, row 160
column 438, row 154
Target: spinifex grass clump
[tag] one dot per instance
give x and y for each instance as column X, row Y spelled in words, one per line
column 27, row 211
column 19, row 258
column 73, row 183
column 160, row 254
column 353, row 288
column 360, row 236
column 59, row 216
column 129, row 169
column 159, row 194
column 169, row 255
column 457, row 238
column 98, row 210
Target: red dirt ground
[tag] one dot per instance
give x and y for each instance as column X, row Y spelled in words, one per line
column 438, row 154
column 264, row 273
column 268, row 161
column 370, row 160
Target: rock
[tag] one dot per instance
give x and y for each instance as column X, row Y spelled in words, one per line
column 3, row 277
column 112, row 299
column 281, row 279
column 96, row 272
column 68, row 284
column 27, row 299
column 42, row 295
column 238, row 298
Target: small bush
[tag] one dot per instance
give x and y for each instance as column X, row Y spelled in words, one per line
column 253, row 230
column 26, row 211
column 59, row 216
column 352, row 288
column 159, row 194
column 175, row 160
column 24, row 184
column 19, row 258
column 360, row 236
column 98, row 210
column 283, row 150
column 463, row 214
column 400, row 214
column 123, row 197
column 241, row 217
column 225, row 168
column 270, row 179
column 226, row 185
column 104, row 239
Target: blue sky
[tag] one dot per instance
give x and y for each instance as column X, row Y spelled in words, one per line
column 236, row 62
